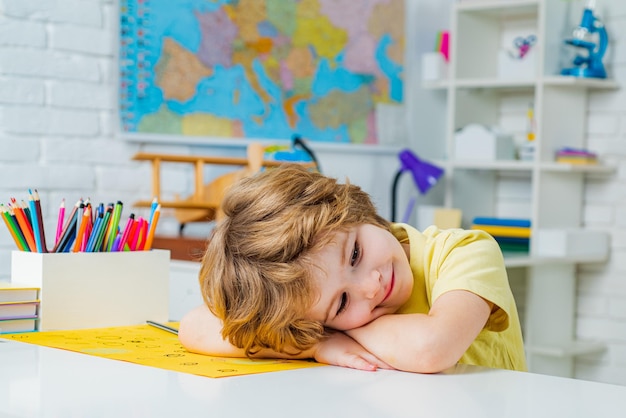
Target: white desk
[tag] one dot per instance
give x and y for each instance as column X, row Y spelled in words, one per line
column 38, row 381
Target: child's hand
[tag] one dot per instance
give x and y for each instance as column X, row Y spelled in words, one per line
column 341, row 350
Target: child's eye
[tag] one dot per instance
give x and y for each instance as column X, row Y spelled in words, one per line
column 356, row 252
column 342, row 304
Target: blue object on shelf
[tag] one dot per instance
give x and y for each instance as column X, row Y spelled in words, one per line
column 590, row 65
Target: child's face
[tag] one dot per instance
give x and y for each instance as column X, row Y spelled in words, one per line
column 363, row 273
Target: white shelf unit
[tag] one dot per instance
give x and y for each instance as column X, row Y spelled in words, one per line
column 548, row 193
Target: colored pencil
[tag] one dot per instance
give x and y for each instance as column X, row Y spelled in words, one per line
column 116, row 243
column 34, row 223
column 126, row 233
column 114, row 226
column 87, row 228
column 153, row 223
column 18, row 231
column 143, row 235
column 24, row 225
column 80, row 235
column 65, row 244
column 134, row 235
column 94, row 233
column 106, row 219
column 14, row 229
column 153, row 207
column 42, row 230
column 60, row 219
column 163, row 327
column 37, row 221
column 68, row 224
column 26, row 212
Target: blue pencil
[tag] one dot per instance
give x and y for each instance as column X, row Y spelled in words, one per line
column 94, row 233
column 35, row 222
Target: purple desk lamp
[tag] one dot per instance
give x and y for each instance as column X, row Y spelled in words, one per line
column 425, row 175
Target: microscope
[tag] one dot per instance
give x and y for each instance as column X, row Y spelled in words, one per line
column 589, row 65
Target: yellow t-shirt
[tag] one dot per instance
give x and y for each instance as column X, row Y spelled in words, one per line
column 457, row 259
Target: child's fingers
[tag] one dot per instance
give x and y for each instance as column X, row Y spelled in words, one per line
column 372, row 359
column 358, row 362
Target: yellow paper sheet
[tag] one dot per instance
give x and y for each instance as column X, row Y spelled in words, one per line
column 150, row 346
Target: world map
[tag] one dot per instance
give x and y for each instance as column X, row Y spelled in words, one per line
column 260, row 68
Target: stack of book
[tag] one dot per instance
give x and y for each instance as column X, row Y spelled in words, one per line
column 19, row 308
column 511, row 234
column 575, row 156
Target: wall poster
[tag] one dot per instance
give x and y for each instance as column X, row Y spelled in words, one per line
column 264, row 69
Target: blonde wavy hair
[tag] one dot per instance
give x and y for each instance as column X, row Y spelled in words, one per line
column 255, row 274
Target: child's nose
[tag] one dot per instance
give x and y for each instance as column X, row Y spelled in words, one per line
column 371, row 286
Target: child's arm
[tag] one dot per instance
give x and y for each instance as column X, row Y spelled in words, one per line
column 427, row 343
column 200, row 332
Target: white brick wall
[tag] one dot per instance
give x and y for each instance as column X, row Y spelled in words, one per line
column 602, row 289
column 57, row 134
column 57, row 109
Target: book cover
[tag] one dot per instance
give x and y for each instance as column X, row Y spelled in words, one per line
column 11, row 292
column 512, row 240
column 18, row 325
column 15, row 310
column 504, row 231
column 484, row 220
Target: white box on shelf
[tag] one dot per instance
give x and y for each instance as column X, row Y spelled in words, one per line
column 434, row 66
column 477, row 142
column 570, row 242
column 92, row 290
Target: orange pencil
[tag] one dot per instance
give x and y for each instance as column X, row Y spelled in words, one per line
column 153, row 223
column 81, row 231
column 88, row 230
column 25, row 227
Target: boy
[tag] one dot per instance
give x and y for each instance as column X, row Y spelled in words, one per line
column 304, row 267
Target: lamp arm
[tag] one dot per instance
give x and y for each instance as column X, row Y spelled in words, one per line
column 394, row 188
column 297, row 141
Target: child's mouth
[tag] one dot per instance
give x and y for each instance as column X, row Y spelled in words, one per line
column 391, row 283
